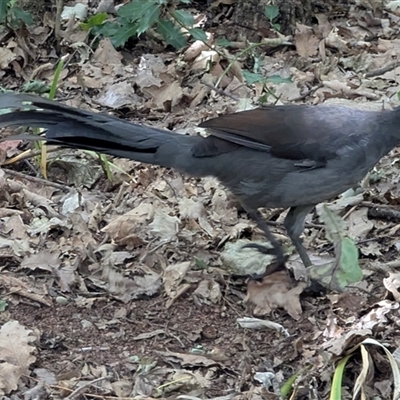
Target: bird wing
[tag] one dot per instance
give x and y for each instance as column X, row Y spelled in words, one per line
column 292, row 132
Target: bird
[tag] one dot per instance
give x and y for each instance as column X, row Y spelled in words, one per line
column 283, row 156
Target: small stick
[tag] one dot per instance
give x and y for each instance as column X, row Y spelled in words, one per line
column 219, row 91
column 37, row 180
column 382, row 70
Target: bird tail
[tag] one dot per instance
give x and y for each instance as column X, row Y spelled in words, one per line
column 72, row 127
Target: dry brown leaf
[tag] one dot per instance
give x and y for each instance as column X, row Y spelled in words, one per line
column 275, row 291
column 370, row 4
column 164, row 226
column 43, row 260
column 127, row 224
column 370, row 249
column 122, row 388
column 306, row 41
column 197, row 47
column 106, row 53
column 106, row 6
column 15, row 228
column 208, row 290
column 204, row 60
column 119, row 95
column 10, row 147
column 350, row 339
column 15, row 354
column 18, row 286
column 173, row 276
column 189, row 208
column 335, row 41
column 6, row 57
column 190, row 360
column 166, row 96
column 181, row 290
column 392, row 284
column 126, row 288
column 359, row 224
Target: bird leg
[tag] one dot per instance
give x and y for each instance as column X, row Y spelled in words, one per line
column 294, row 224
column 276, row 250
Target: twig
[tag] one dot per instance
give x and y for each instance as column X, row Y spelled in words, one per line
column 28, row 154
column 37, row 180
column 306, row 94
column 80, row 389
column 57, row 27
column 219, row 91
column 382, row 70
column 384, row 213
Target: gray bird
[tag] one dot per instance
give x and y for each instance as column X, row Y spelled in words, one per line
column 275, row 156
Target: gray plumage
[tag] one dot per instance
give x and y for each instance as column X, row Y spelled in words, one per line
column 283, row 156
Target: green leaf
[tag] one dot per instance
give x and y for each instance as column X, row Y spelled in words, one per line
column 336, row 387
column 93, row 21
column 200, row 264
column 3, row 305
column 277, row 79
column 198, row 34
column 334, row 224
column 108, row 29
column 290, row 383
column 171, row 33
column 3, row 9
column 277, row 27
column 349, row 271
column 345, row 270
column 22, row 15
column 252, row 77
column 185, row 1
column 271, row 12
column 264, row 98
column 145, row 12
column 184, row 18
column 37, row 87
column 136, row 9
column 123, row 34
column 147, row 20
column 54, row 84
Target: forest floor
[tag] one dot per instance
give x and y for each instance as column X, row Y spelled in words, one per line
column 131, row 286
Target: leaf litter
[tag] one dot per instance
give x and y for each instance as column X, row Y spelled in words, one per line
column 122, row 288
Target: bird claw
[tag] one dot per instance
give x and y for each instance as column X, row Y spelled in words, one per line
column 262, row 249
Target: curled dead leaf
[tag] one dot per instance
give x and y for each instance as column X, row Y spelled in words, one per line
column 275, row 291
